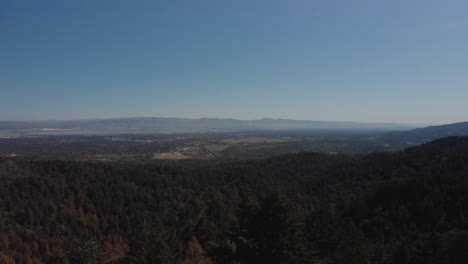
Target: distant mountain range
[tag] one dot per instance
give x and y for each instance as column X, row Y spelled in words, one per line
column 169, row 125
column 402, row 139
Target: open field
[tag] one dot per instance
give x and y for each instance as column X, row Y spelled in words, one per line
column 211, row 146
column 255, row 140
column 148, row 147
column 170, row 155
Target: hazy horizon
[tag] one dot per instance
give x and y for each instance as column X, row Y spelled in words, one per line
column 233, row 131
column 351, row 61
column 226, row 118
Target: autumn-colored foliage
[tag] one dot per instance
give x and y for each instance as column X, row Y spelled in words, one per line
column 407, row 207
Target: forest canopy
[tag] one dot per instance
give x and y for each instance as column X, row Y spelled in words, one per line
column 404, row 207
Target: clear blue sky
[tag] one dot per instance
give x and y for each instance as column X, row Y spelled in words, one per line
column 382, row 61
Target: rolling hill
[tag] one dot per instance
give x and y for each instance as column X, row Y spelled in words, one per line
column 404, row 207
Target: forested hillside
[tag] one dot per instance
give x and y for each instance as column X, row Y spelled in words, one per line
column 405, row 207
column 397, row 140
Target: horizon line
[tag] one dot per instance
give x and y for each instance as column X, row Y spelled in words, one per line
column 229, row 118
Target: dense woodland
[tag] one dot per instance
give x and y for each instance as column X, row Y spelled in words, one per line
column 405, row 207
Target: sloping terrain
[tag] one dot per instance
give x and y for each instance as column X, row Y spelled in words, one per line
column 401, row 139
column 404, row 207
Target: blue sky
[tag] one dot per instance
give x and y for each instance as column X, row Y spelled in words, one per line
column 370, row 61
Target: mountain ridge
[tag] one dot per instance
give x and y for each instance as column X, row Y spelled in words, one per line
column 197, row 124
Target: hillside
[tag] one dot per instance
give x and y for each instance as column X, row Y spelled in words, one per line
column 404, row 207
column 401, row 139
